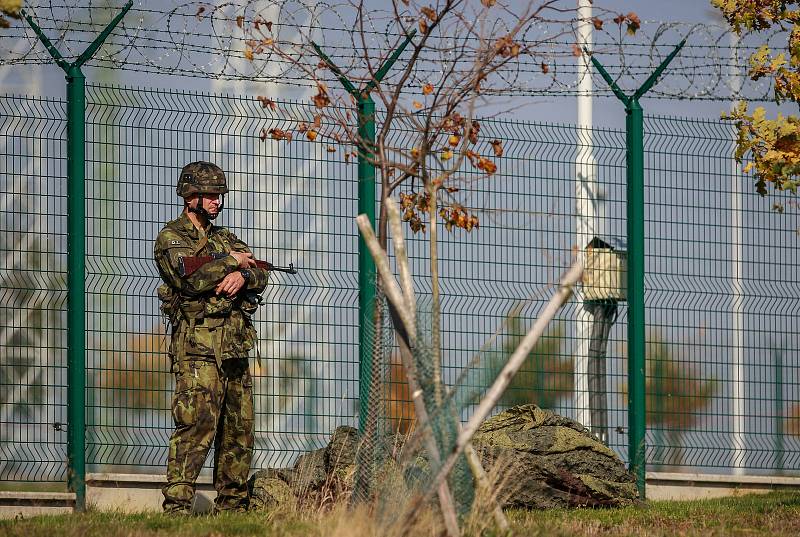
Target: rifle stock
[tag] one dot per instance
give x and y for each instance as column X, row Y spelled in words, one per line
column 188, row 265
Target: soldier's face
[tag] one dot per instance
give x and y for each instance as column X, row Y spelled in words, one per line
column 212, row 203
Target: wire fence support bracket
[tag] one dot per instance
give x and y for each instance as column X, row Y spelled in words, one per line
column 637, row 347
column 366, row 205
column 76, row 252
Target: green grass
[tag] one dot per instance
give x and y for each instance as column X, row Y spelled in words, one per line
column 777, row 513
column 773, row 514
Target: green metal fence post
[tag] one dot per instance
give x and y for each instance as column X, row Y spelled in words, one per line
column 76, row 285
column 76, row 253
column 367, row 284
column 366, row 265
column 637, row 419
column 637, row 346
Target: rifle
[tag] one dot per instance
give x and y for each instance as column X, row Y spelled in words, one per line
column 188, row 265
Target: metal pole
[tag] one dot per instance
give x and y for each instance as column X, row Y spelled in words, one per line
column 737, row 292
column 76, row 286
column 634, row 136
column 637, row 362
column 76, row 253
column 585, row 206
column 366, row 264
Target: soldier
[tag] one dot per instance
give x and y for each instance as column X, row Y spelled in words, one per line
column 210, row 314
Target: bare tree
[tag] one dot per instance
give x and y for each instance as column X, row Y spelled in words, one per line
column 429, row 74
column 458, row 55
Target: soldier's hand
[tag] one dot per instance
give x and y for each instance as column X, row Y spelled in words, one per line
column 245, row 259
column 230, row 284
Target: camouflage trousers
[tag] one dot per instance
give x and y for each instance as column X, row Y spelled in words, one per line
column 210, row 407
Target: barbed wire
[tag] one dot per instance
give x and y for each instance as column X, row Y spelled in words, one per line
column 201, row 39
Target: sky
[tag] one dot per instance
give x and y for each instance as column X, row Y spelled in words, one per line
column 48, row 79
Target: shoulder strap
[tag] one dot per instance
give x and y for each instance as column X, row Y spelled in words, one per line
column 201, row 243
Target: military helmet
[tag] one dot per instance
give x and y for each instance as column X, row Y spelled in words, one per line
column 201, row 178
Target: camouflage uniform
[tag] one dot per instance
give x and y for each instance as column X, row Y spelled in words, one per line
column 211, row 338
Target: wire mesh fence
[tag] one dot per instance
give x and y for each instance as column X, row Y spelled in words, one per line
column 722, row 353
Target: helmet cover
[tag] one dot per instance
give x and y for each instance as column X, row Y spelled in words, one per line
column 201, row 178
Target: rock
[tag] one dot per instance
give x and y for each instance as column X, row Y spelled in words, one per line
column 268, row 490
column 309, row 472
column 552, row 461
column 341, row 451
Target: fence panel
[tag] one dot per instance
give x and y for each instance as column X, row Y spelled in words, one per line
column 722, row 352
column 721, row 307
column 33, row 289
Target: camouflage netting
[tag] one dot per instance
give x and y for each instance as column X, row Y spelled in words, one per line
column 539, row 459
column 542, row 461
column 553, row 461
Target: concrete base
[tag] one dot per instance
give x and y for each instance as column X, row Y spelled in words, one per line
column 680, row 486
column 131, row 493
column 28, row 504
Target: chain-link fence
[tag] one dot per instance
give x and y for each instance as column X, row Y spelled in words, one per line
column 722, row 351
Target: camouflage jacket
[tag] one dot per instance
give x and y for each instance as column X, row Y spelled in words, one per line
column 204, row 323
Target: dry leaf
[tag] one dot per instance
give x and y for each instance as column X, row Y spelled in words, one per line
column 269, row 26
column 429, row 12
column 446, row 155
column 200, row 11
column 506, row 47
column 633, row 22
column 266, row 102
column 321, row 99
column 423, row 26
column 473, row 132
column 497, row 145
column 576, row 50
column 489, row 3
column 302, row 127
column 240, row 21
column 427, row 89
column 278, row 134
column 317, row 122
column 486, row 165
column 545, row 68
column 331, row 149
column 248, row 53
column 311, row 135
column 598, row 23
column 417, row 105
